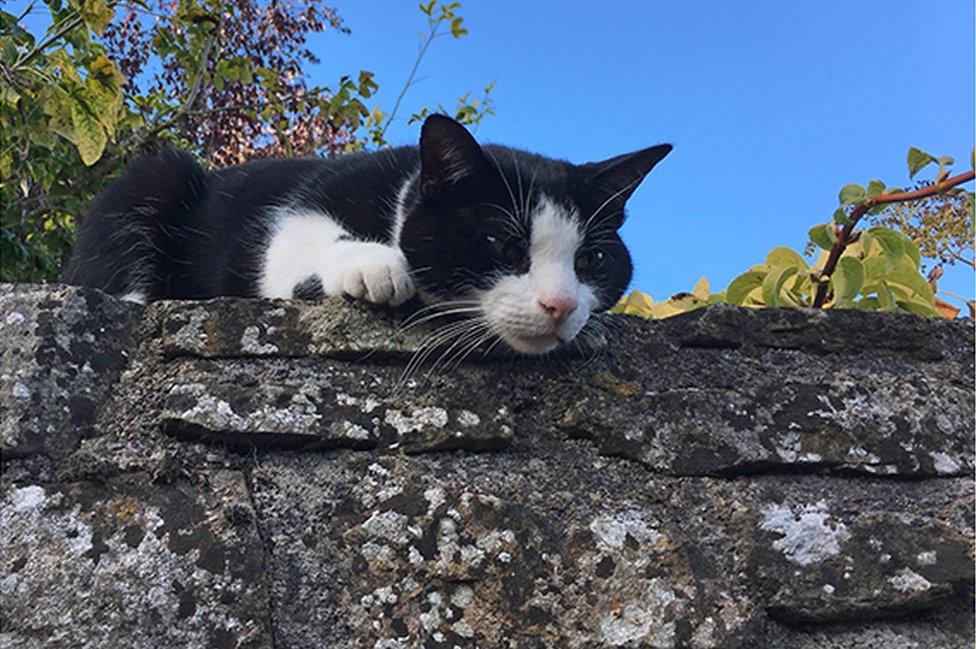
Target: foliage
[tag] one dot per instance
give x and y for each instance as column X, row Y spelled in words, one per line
column 941, row 224
column 107, row 80
column 875, row 269
column 467, row 111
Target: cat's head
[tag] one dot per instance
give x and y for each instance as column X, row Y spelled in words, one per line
column 527, row 247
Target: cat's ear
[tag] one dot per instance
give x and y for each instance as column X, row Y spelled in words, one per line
column 611, row 182
column 448, row 154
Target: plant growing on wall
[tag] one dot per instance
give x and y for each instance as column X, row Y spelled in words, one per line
column 877, row 268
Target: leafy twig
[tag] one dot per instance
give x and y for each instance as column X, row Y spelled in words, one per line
column 434, row 23
column 844, row 237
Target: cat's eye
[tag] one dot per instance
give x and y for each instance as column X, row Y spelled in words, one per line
column 508, row 249
column 589, row 260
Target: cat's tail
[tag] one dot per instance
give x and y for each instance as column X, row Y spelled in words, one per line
column 129, row 244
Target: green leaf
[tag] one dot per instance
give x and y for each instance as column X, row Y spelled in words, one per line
column 457, row 31
column 89, row 134
column 783, row 256
column 822, row 235
column 918, row 160
column 847, row 279
column 907, row 275
column 886, row 297
column 852, row 194
column 743, row 285
column 840, row 216
column 772, row 285
column 913, row 252
column 874, row 269
column 892, row 245
column 918, row 307
column 875, row 188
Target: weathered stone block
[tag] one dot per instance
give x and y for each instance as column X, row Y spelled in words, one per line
column 254, row 473
column 63, row 348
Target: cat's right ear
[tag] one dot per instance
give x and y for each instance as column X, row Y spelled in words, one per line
column 448, row 154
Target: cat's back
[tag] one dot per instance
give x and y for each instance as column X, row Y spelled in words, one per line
column 356, row 189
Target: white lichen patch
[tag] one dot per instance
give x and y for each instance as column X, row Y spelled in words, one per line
column 26, row 498
column 389, row 525
column 909, row 581
column 807, row 537
column 417, row 420
column 467, row 419
column 378, row 485
column 462, row 596
column 192, row 336
column 435, row 497
column 251, row 344
column 214, row 413
column 944, row 463
column 349, row 430
column 611, row 531
column 69, row 581
column 927, row 558
column 20, row 391
column 642, row 620
column 494, row 542
column 366, row 404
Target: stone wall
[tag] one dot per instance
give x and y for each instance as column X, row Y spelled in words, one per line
column 238, row 473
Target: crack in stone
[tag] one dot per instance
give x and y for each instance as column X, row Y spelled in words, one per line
column 266, row 552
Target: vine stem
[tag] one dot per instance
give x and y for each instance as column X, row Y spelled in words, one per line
column 434, row 26
column 840, row 245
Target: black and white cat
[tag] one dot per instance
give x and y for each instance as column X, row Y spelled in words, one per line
column 525, row 245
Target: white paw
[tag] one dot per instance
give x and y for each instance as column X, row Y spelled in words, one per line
column 377, row 274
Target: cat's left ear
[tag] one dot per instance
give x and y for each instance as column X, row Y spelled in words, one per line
column 448, row 155
column 612, row 181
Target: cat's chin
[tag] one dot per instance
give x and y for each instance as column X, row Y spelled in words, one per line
column 532, row 345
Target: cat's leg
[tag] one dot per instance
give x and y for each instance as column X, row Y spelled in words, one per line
column 367, row 271
column 306, row 246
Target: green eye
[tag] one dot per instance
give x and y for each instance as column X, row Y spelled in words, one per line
column 497, row 245
column 589, row 260
column 508, row 250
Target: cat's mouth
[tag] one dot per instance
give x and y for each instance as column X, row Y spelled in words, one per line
column 534, row 345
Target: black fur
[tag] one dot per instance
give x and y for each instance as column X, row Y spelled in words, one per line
column 171, row 230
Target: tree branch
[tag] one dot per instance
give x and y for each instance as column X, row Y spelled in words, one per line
column 840, row 245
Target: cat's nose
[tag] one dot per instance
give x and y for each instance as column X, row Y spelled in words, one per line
column 558, row 308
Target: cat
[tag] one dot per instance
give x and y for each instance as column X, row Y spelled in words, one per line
column 522, row 247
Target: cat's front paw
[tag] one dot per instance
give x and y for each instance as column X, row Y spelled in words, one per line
column 379, row 275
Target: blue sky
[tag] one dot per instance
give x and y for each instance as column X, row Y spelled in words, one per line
column 771, row 106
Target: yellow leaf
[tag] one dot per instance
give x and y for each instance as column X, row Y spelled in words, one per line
column 702, row 289
column 97, row 14
column 89, row 134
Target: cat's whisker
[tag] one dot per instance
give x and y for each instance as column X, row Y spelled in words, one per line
column 518, row 177
column 440, row 306
column 508, row 187
column 434, row 316
column 613, row 196
column 473, row 333
column 426, row 348
column 485, row 337
column 435, row 339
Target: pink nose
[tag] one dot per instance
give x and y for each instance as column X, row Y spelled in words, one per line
column 558, row 308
